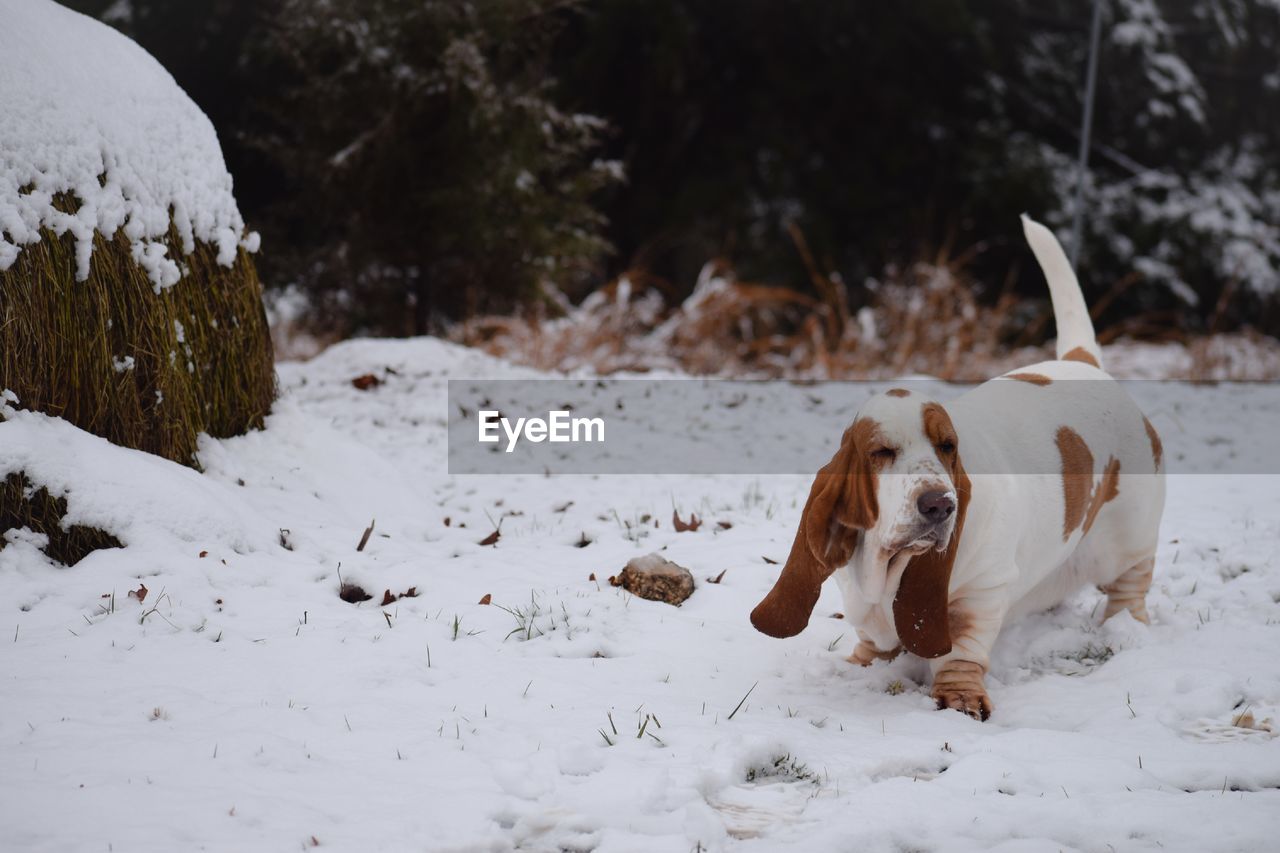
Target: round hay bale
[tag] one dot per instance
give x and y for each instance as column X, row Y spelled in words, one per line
column 129, row 303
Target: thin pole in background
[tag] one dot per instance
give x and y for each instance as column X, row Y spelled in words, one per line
column 1086, row 129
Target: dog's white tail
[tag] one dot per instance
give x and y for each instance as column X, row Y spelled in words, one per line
column 1075, row 329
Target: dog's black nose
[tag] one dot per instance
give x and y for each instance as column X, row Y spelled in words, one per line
column 936, row 506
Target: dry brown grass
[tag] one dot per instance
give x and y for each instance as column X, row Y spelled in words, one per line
column 145, row 370
column 200, row 350
column 926, row 319
column 923, row 319
column 22, row 504
column 1246, row 355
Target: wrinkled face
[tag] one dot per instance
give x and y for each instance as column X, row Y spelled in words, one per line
column 913, row 450
column 889, row 506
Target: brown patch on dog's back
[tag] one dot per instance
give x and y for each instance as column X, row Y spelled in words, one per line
column 1033, row 378
column 1083, row 355
column 1108, row 488
column 1157, row 447
column 898, row 392
column 1077, row 478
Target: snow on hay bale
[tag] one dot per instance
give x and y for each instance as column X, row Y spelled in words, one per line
column 129, row 303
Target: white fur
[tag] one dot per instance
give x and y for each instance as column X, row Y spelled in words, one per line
column 1012, row 557
column 1070, row 313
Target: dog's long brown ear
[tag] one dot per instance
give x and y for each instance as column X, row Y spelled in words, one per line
column 920, row 607
column 841, row 502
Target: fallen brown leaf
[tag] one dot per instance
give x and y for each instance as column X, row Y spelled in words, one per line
column 692, row 525
column 724, row 525
column 486, row 598
column 492, row 538
column 389, row 596
column 140, row 593
column 365, row 382
column 718, row 577
column 770, row 562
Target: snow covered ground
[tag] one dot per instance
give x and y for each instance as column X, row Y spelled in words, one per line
column 243, row 705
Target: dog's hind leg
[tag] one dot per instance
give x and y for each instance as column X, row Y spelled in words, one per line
column 1129, row 591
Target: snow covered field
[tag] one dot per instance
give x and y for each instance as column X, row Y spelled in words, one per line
column 243, row 705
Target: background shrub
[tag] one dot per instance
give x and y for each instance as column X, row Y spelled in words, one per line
column 382, row 147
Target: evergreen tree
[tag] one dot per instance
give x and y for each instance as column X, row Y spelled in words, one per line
column 430, row 170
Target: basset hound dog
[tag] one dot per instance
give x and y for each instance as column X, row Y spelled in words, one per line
column 942, row 521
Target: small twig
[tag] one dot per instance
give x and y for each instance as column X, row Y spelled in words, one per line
column 368, row 531
column 744, row 699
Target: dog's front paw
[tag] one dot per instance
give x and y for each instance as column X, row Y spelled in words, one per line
column 975, row 703
column 958, row 685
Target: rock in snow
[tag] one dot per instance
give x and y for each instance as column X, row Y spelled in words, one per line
column 657, row 579
column 85, row 110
